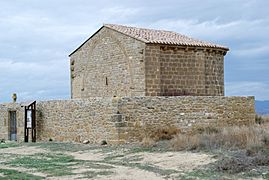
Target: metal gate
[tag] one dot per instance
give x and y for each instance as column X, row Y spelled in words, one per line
column 12, row 126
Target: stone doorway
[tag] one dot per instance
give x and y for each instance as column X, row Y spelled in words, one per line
column 12, row 126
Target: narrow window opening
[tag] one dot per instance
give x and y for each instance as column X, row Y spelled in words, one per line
column 106, row 81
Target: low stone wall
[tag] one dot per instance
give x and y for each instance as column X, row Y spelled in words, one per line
column 77, row 120
column 121, row 120
column 142, row 114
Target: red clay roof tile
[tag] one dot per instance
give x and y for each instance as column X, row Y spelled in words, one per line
column 161, row 36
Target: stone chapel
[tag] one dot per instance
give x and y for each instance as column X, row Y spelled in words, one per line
column 128, row 61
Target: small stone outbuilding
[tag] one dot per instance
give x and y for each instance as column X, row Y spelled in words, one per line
column 128, row 61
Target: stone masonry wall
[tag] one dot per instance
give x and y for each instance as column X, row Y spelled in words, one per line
column 109, row 64
column 77, row 120
column 5, row 120
column 121, row 120
column 140, row 115
column 177, row 71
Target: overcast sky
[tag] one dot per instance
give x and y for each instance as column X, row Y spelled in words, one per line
column 37, row 36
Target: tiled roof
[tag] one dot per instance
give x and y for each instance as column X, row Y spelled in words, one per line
column 161, row 36
column 157, row 37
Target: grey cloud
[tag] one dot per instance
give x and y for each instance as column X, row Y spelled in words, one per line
column 37, row 36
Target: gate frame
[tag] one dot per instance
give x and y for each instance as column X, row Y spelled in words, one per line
column 31, row 107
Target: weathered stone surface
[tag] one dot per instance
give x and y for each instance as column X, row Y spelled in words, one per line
column 114, row 64
column 110, row 64
column 174, row 71
column 184, row 112
column 119, row 120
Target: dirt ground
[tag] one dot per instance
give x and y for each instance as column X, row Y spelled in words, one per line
column 52, row 160
column 95, row 162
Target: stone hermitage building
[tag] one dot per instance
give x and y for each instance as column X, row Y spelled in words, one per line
column 127, row 61
column 128, row 81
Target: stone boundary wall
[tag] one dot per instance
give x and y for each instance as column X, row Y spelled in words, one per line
column 122, row 120
column 77, row 120
column 143, row 114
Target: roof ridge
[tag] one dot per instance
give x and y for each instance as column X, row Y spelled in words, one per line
column 148, row 35
column 155, row 36
column 108, row 24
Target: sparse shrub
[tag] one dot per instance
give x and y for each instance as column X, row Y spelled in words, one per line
column 166, row 133
column 259, row 119
column 240, row 162
column 234, row 164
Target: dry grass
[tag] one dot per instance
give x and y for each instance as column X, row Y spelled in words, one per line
column 210, row 137
column 250, row 145
column 262, row 119
column 240, row 148
column 151, row 137
column 228, row 137
column 232, row 137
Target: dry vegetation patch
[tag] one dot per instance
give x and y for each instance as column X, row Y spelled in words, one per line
column 242, row 151
column 150, row 137
column 227, row 137
column 245, row 149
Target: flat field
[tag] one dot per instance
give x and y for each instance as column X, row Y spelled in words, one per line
column 54, row 160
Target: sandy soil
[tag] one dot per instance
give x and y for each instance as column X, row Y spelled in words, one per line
column 125, row 173
column 24, row 150
column 179, row 161
column 182, row 161
column 88, row 156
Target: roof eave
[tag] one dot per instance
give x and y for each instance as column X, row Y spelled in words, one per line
column 189, row 45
